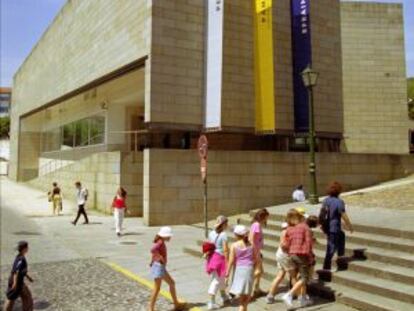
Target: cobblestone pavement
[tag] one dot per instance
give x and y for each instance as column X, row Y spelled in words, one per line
column 84, row 285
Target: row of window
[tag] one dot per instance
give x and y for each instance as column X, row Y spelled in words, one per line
column 84, row 132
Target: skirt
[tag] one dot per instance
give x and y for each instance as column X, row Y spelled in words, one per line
column 158, row 270
column 242, row 281
column 216, row 263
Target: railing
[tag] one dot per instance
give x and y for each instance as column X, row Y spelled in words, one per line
column 132, row 144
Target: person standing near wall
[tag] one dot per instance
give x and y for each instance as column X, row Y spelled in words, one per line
column 81, row 198
column 55, row 196
column 331, row 216
column 119, row 209
column 16, row 286
column 298, row 194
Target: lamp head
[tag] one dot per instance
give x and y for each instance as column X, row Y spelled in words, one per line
column 309, row 77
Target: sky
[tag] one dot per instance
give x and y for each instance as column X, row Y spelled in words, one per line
column 22, row 23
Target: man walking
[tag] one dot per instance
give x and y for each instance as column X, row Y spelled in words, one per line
column 81, row 198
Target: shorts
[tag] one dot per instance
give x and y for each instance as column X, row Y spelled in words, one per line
column 285, row 263
column 302, row 264
column 158, row 270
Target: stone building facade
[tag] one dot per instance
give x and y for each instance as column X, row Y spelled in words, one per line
column 374, row 78
column 113, row 86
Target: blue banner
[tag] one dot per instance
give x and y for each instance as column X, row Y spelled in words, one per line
column 302, row 57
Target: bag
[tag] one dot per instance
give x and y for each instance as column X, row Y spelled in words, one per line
column 209, row 247
column 324, row 218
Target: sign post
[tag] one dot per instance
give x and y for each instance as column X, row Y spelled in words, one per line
column 202, row 147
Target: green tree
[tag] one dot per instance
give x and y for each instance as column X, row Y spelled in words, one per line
column 4, row 127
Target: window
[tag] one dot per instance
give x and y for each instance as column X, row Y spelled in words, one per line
column 68, row 136
column 4, row 106
column 81, row 133
column 97, row 130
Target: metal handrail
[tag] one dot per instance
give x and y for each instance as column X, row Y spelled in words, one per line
column 52, row 165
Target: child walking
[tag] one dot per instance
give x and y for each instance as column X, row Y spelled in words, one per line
column 284, row 264
column 216, row 263
column 242, row 260
column 298, row 244
column 16, row 286
column 119, row 209
column 158, row 268
column 257, row 240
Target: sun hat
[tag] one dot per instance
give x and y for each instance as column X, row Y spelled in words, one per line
column 240, row 230
column 220, row 220
column 165, row 232
column 284, row 225
column 302, row 211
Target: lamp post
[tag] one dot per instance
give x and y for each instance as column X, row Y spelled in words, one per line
column 310, row 78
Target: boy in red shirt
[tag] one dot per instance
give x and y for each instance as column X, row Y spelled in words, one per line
column 298, row 244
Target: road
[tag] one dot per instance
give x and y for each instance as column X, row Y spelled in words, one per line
column 67, row 275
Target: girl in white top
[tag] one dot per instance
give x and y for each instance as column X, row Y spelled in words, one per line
column 217, row 263
column 284, row 264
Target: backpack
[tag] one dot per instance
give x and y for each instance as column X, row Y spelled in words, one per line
column 209, row 247
column 86, row 194
column 324, row 218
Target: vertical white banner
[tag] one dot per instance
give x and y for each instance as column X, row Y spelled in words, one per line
column 213, row 64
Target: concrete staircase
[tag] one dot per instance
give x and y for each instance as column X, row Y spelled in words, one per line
column 383, row 282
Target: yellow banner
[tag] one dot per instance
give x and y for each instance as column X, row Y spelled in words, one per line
column 262, row 5
column 264, row 77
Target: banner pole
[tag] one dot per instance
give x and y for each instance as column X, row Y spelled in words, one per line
column 205, row 209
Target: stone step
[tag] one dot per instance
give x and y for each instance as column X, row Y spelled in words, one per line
column 362, row 238
column 376, row 285
column 368, row 301
column 398, row 258
column 361, row 293
column 350, row 279
column 389, row 232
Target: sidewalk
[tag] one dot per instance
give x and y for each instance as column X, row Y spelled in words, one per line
column 56, row 237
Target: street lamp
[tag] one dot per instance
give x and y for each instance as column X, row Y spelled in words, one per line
column 310, row 78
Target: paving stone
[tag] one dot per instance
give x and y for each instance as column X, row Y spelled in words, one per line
column 84, row 284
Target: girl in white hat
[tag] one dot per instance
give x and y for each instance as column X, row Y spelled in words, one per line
column 158, row 268
column 243, row 259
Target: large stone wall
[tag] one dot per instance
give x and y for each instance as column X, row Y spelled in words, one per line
column 374, row 78
column 243, row 180
column 102, row 174
column 177, row 64
column 87, row 40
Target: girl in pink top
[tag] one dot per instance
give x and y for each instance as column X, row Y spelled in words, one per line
column 256, row 238
column 158, row 268
column 119, row 209
column 242, row 259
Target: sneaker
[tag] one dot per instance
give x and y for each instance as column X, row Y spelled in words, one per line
column 305, row 301
column 212, row 306
column 270, row 299
column 288, row 300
